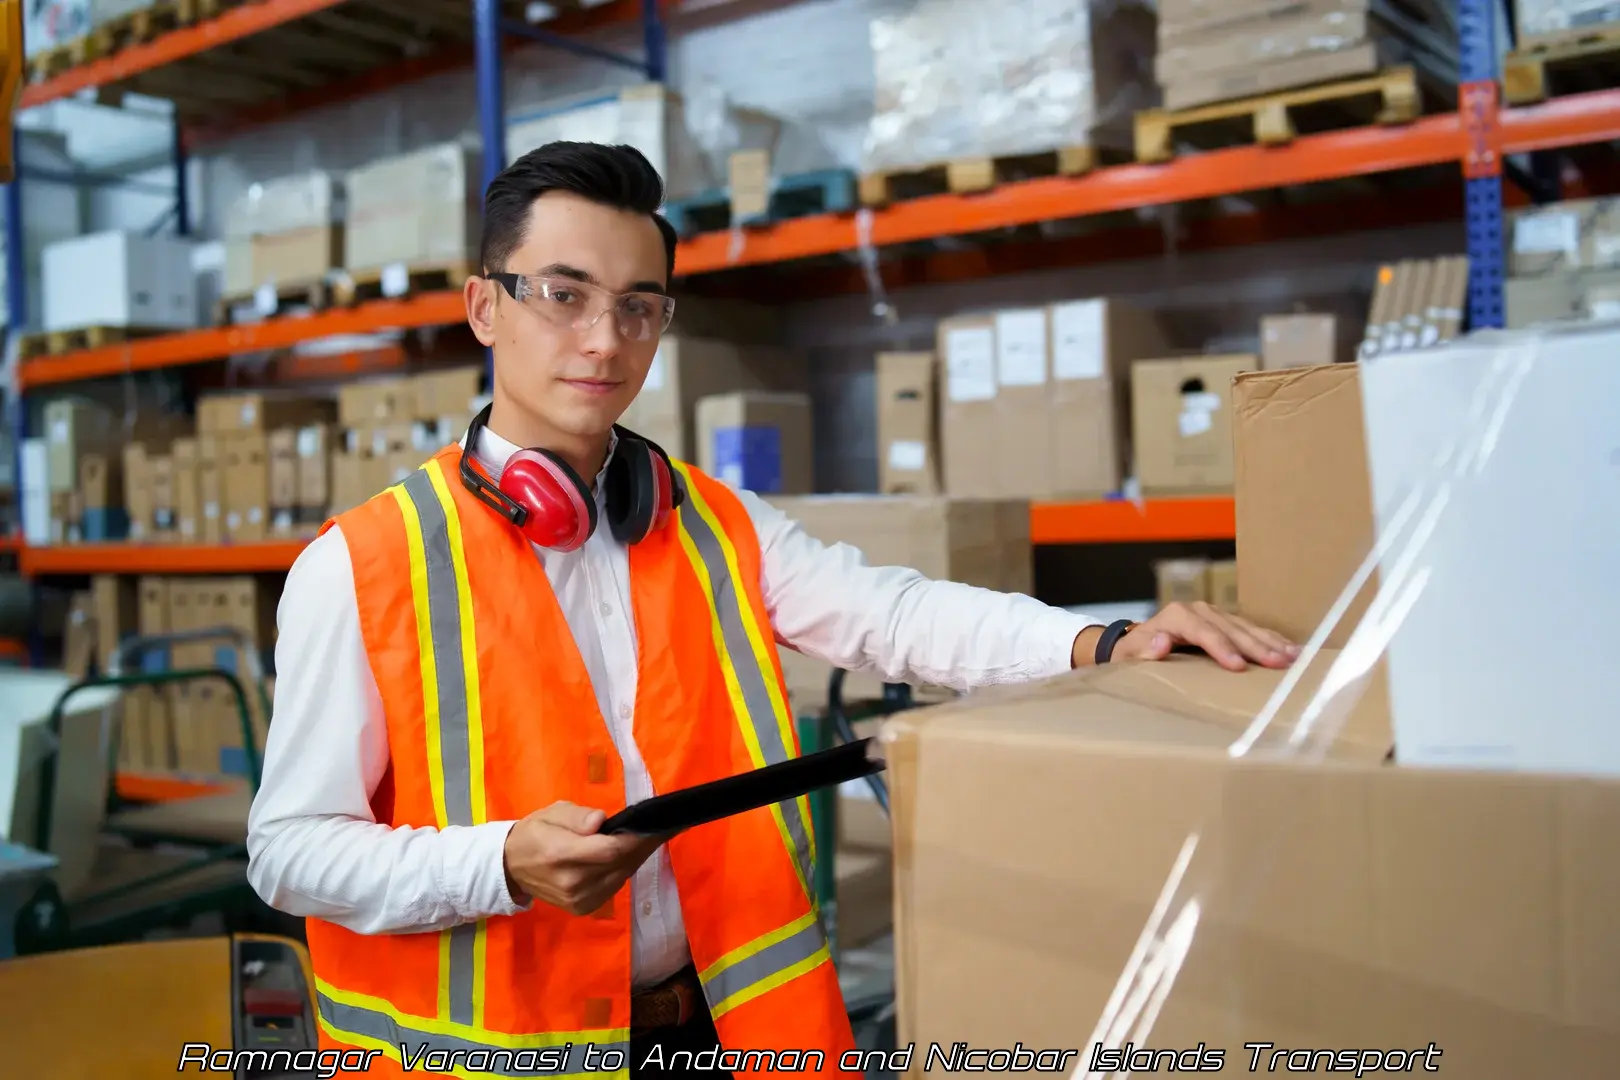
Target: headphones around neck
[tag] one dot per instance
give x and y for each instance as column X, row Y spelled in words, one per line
column 545, row 499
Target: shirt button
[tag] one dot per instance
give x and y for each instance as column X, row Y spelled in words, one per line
column 607, row 609
column 624, row 712
column 646, row 908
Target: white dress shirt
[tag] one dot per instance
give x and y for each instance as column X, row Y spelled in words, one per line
column 315, row 848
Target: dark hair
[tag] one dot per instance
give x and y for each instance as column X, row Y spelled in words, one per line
column 617, row 176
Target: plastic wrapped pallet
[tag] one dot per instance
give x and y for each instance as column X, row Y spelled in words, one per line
column 420, row 209
column 688, row 140
column 1548, row 18
column 283, row 230
column 958, row 80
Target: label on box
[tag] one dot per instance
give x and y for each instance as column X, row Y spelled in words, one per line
column 907, row 454
column 264, row 300
column 250, row 414
column 1540, row 233
column 1196, row 410
column 1021, row 348
column 379, row 444
column 749, row 458
column 255, row 515
column 970, row 364
column 396, row 280
column 188, row 528
column 655, row 372
column 1077, row 340
column 60, row 430
column 309, row 442
column 233, row 521
column 211, row 510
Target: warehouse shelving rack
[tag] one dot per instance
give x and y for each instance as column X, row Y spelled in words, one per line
column 1479, row 137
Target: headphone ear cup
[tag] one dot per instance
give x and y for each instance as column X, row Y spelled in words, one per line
column 561, row 514
column 631, row 491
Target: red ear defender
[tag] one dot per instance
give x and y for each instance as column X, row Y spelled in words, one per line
column 557, row 513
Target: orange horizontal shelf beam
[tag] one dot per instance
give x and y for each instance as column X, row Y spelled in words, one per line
column 216, row 343
column 145, row 787
column 230, row 25
column 1432, row 140
column 1125, row 522
column 268, row 557
column 1576, row 120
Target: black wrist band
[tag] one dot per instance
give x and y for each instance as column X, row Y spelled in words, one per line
column 1110, row 637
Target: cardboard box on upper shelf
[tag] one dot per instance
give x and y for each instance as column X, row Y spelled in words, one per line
column 142, row 283
column 284, row 231
column 908, row 423
column 420, row 210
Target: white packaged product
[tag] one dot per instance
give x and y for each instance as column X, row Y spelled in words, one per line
column 1538, row 18
column 955, row 80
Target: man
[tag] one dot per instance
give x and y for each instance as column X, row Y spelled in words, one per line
column 458, row 704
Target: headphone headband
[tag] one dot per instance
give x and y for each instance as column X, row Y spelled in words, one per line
column 479, row 484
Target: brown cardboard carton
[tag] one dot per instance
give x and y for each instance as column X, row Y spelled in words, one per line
column 348, row 481
column 187, row 491
column 296, row 255
column 211, row 488
column 1341, row 902
column 1279, row 38
column 246, row 480
column 758, row 441
column 257, row 411
column 970, row 421
column 151, row 724
column 1303, row 497
column 74, row 427
column 908, row 424
column 1182, row 581
column 138, row 494
column 1182, row 422
column 1196, row 90
column 687, row 369
column 1580, row 234
column 1292, row 341
column 1094, row 343
column 447, row 395
column 1025, row 419
column 164, row 506
column 282, row 448
column 377, row 401
column 314, row 476
column 100, row 483
column 1223, row 590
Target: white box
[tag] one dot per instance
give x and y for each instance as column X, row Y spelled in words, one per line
column 1496, row 484
column 36, row 492
column 120, row 279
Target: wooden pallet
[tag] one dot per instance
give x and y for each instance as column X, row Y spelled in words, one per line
column 1564, row 63
column 57, row 342
column 1389, row 97
column 826, row 191
column 963, row 176
column 357, row 286
column 312, row 293
column 133, row 28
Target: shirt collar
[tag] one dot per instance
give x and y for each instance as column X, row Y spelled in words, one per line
column 493, row 452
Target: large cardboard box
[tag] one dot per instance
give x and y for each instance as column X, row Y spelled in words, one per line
column 1580, row 234
column 1182, row 422
column 1321, row 900
column 969, row 417
column 908, row 424
column 758, row 441
column 685, row 369
column 1301, row 340
column 258, row 411
column 246, row 482
column 1303, row 496
column 1563, row 297
column 141, row 282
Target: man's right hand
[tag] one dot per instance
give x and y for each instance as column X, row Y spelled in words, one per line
column 556, row 856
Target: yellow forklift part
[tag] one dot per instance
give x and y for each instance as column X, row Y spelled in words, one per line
column 129, row 1011
column 11, row 80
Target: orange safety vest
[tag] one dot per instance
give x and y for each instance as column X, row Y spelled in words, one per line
column 491, row 716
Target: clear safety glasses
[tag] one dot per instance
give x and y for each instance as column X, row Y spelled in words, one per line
column 578, row 305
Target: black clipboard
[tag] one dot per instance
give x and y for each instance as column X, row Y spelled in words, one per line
column 677, row 811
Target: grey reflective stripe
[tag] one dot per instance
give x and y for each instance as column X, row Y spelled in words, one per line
column 494, row 1060
column 761, row 715
column 771, row 960
column 450, row 686
column 444, row 615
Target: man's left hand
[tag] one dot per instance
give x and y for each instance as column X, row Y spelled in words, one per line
column 1232, row 641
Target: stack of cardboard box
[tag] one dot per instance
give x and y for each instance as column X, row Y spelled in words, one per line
column 419, row 210
column 391, row 425
column 287, row 231
column 1218, row 50
column 1563, row 263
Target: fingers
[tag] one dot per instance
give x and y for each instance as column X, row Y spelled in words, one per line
column 1196, row 626
column 576, row 819
column 1259, row 644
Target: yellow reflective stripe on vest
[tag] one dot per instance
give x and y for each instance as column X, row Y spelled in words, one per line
column 756, row 696
column 450, row 697
column 763, row 964
column 371, row 1023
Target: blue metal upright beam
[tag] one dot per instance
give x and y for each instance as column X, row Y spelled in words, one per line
column 654, row 41
column 1477, row 101
column 491, row 91
column 182, row 188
